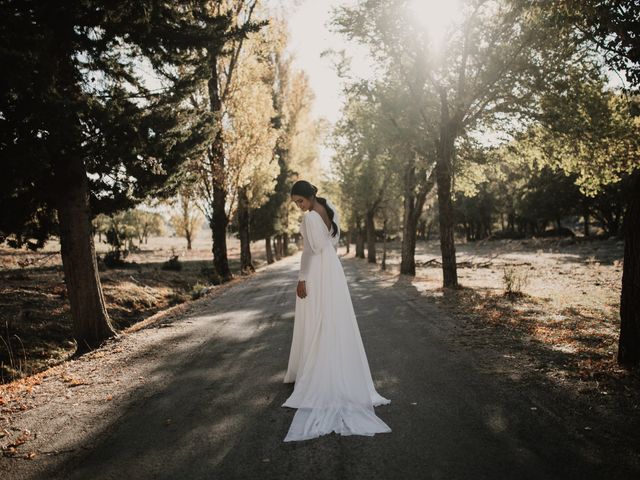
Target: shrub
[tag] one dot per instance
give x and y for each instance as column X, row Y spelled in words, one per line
column 172, row 264
column 177, row 297
column 199, row 290
column 115, row 258
column 514, row 281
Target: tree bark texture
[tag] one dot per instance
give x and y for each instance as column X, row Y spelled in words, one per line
column 629, row 342
column 371, row 236
column 219, row 219
column 413, row 205
column 359, row 240
column 384, row 246
column 267, row 245
column 408, row 249
column 91, row 323
column 278, row 246
column 246, row 265
column 445, row 203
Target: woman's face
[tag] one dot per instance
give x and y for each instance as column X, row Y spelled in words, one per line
column 303, row 203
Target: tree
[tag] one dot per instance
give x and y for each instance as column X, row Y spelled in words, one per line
column 122, row 228
column 250, row 138
column 222, row 65
column 489, row 67
column 363, row 163
column 301, row 138
column 145, row 224
column 268, row 219
column 395, row 127
column 188, row 219
column 82, row 130
column 611, row 29
column 296, row 150
column 614, row 27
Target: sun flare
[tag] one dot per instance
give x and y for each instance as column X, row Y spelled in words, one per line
column 436, row 17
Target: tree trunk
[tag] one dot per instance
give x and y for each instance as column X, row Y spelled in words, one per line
column 371, row 236
column 91, row 324
column 285, row 244
column 188, row 237
column 219, row 220
column 278, row 246
column 445, row 204
column 267, row 246
column 348, row 239
column 246, row 265
column 384, row 245
column 408, row 249
column 629, row 343
column 408, row 262
column 219, row 248
column 359, row 241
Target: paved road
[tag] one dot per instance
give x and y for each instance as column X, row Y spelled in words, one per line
column 215, row 412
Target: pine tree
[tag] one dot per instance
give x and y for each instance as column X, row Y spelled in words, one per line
column 84, row 131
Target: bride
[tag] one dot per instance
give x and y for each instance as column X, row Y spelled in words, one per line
column 333, row 389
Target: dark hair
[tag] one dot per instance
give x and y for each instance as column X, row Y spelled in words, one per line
column 306, row 190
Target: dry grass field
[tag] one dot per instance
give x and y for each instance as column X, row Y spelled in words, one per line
column 544, row 304
column 556, row 300
column 35, row 321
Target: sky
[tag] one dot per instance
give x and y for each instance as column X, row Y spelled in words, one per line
column 310, row 35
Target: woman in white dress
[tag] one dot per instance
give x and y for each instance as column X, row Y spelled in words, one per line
column 333, row 390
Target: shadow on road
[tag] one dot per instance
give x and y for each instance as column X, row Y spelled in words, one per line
column 212, row 410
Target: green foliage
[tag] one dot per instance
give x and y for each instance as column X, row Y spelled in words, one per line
column 591, row 132
column 120, row 229
column 488, row 72
column 612, row 25
column 367, row 166
column 476, row 213
column 97, row 81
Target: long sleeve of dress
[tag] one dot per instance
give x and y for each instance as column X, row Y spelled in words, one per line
column 316, row 237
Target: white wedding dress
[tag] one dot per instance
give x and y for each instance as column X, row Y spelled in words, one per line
column 333, row 390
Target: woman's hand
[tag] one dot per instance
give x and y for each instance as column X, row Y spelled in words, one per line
column 302, row 289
